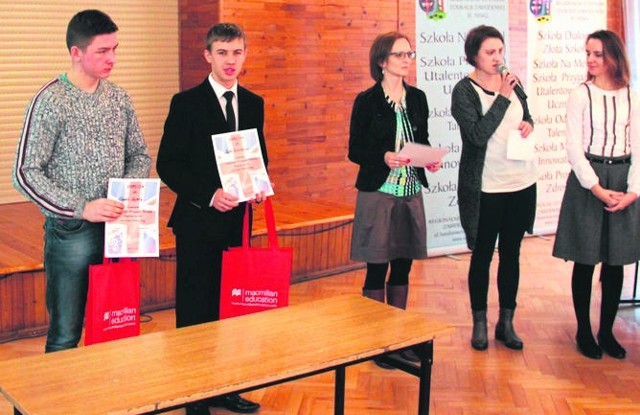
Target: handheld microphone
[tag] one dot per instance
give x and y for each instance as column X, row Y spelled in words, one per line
column 502, row 69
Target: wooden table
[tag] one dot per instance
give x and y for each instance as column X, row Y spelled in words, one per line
column 165, row 370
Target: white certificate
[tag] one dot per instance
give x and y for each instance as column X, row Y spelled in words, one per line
column 240, row 164
column 135, row 233
column 519, row 148
column 421, row 155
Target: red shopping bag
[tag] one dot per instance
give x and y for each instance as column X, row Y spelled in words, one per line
column 255, row 279
column 113, row 301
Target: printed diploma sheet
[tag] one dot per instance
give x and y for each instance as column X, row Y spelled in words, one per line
column 240, row 164
column 135, row 233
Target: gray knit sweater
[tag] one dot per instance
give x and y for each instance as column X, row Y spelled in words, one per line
column 475, row 130
column 72, row 142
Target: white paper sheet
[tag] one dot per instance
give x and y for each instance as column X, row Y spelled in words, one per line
column 240, row 164
column 519, row 148
column 422, row 155
column 135, row 233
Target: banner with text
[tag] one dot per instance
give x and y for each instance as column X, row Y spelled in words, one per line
column 441, row 27
column 556, row 34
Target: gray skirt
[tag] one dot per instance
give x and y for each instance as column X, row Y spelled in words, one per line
column 587, row 233
column 387, row 227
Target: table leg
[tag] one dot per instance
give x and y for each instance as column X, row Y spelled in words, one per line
column 338, row 408
column 425, row 352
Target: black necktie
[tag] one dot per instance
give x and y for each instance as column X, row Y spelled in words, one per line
column 231, row 116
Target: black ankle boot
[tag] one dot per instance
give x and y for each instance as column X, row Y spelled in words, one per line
column 610, row 346
column 397, row 295
column 588, row 347
column 505, row 331
column 479, row 338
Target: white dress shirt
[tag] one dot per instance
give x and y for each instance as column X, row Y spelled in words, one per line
column 603, row 123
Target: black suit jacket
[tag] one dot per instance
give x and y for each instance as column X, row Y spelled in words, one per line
column 186, row 161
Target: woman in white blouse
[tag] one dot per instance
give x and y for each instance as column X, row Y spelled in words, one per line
column 599, row 218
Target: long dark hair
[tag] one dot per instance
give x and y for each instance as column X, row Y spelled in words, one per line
column 615, row 56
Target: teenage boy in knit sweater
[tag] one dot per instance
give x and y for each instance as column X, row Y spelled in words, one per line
column 79, row 131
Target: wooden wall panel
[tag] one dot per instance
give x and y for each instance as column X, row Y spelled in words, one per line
column 308, row 59
column 22, row 306
column 157, row 282
column 615, row 17
column 195, row 17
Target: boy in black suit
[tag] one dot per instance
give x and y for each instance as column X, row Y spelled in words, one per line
column 205, row 219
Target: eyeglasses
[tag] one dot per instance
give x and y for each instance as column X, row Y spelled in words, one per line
column 402, row 55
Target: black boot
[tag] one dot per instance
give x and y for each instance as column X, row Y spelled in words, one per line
column 377, row 295
column 611, row 278
column 505, row 331
column 581, row 293
column 479, row 338
column 397, row 296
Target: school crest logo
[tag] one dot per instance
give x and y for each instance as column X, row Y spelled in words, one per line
column 435, row 9
column 541, row 9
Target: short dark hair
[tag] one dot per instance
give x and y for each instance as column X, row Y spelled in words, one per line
column 380, row 50
column 225, row 32
column 474, row 39
column 615, row 57
column 87, row 24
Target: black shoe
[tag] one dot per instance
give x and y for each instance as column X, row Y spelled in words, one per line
column 235, row 403
column 409, row 356
column 198, row 408
column 589, row 348
column 382, row 364
column 610, row 346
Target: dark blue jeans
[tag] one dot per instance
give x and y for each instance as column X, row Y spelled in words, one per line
column 70, row 246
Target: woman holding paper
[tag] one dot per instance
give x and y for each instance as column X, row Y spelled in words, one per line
column 496, row 194
column 599, row 218
column 389, row 228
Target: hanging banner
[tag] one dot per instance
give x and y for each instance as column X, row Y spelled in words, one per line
column 556, row 34
column 441, row 27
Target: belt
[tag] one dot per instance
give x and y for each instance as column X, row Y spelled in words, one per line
column 606, row 160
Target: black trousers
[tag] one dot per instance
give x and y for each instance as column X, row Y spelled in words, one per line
column 505, row 215
column 198, row 275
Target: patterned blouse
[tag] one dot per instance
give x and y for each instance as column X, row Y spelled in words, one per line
column 402, row 181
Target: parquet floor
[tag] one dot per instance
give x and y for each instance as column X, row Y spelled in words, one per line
column 547, row 377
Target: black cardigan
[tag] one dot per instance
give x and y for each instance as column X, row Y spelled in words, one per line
column 373, row 132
